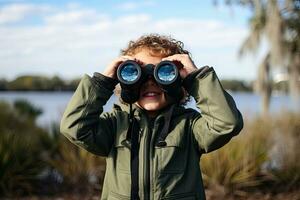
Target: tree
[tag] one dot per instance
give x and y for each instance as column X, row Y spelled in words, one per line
column 279, row 22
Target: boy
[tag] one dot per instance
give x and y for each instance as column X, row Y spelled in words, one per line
column 148, row 169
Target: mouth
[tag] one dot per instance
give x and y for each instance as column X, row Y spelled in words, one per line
column 151, row 94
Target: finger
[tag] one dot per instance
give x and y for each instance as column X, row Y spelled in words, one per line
column 178, row 57
column 124, row 58
column 171, row 58
column 179, row 61
column 127, row 57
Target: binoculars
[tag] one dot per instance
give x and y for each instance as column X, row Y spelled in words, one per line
column 131, row 76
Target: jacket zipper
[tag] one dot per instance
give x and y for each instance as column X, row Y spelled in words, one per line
column 147, row 158
column 147, row 165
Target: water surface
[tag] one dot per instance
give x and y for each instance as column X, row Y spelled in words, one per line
column 54, row 103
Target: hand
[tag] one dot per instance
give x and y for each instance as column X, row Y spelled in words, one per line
column 111, row 70
column 186, row 61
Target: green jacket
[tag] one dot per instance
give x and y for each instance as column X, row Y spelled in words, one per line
column 169, row 172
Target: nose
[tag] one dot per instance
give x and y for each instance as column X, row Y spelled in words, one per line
column 150, row 80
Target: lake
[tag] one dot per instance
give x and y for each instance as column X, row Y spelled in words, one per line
column 54, row 103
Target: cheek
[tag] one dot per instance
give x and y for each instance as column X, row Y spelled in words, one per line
column 163, row 99
column 161, row 102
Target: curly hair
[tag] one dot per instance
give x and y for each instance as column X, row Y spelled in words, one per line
column 156, row 44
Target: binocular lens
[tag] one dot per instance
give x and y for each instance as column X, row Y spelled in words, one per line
column 166, row 73
column 131, row 76
column 129, row 73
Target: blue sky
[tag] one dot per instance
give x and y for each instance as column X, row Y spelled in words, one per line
column 70, row 38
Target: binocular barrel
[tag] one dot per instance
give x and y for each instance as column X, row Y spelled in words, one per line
column 130, row 72
column 131, row 75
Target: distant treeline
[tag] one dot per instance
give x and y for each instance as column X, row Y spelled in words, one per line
column 237, row 85
column 55, row 83
column 38, row 83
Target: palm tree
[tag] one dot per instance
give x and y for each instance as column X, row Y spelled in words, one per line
column 279, row 23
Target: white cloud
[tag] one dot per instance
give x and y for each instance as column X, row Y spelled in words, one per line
column 74, row 17
column 130, row 5
column 80, row 41
column 133, row 19
column 203, row 33
column 18, row 11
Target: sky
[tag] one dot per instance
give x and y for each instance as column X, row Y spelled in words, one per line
column 72, row 38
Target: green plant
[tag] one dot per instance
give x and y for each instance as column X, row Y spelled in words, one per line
column 77, row 166
column 20, row 152
column 264, row 156
column 285, row 165
column 26, row 109
column 19, row 165
column 29, row 156
column 238, row 165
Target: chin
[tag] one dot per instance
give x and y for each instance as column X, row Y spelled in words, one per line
column 151, row 107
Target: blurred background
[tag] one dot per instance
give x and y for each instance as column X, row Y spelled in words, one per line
column 47, row 46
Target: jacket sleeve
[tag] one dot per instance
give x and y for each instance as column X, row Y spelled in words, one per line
column 83, row 122
column 220, row 119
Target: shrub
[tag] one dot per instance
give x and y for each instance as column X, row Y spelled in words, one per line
column 75, row 165
column 20, row 153
column 26, row 109
column 238, row 165
column 285, row 153
column 264, row 156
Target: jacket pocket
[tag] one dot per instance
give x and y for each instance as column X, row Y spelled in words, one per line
column 181, row 196
column 171, row 157
column 122, row 154
column 116, row 196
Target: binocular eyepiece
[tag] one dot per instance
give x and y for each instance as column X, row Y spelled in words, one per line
column 131, row 76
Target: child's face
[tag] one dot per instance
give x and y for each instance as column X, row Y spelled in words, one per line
column 152, row 98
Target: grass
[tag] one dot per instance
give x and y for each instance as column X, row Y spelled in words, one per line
column 76, row 165
column 238, row 165
column 265, row 153
column 285, row 165
column 20, row 153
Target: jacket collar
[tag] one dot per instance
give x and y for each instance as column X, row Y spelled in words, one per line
column 141, row 113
